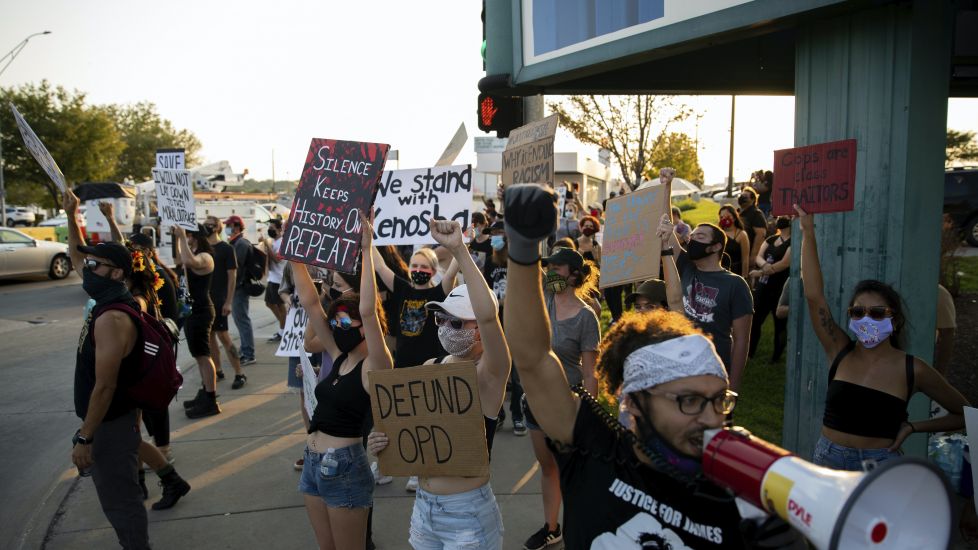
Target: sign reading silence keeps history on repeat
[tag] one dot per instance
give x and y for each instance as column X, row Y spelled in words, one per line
column 433, row 419
column 338, row 183
column 408, row 199
column 818, row 178
column 630, row 249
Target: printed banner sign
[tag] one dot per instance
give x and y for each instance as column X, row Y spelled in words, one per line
column 432, row 416
column 408, row 199
column 309, row 381
column 631, row 248
column 175, row 198
column 529, row 154
column 39, row 151
column 818, row 178
column 338, row 183
column 294, row 333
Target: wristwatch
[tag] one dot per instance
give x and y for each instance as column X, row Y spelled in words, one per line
column 666, row 252
column 78, row 438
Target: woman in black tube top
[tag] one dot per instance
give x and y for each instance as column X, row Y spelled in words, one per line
column 871, row 379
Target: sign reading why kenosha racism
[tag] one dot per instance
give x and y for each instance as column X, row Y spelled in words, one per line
column 338, row 183
column 529, row 154
column 408, row 199
column 433, row 420
column 818, row 178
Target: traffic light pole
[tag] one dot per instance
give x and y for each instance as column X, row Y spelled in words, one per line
column 532, row 108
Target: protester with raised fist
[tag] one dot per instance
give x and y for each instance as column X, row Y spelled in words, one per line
column 871, row 379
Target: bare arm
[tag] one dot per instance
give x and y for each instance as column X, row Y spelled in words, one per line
column 759, row 235
column 75, row 239
column 378, row 356
column 108, row 211
column 744, row 244
column 942, row 353
column 588, row 361
column 829, row 333
column 201, row 264
column 759, row 260
column 382, row 269
column 738, row 350
column 318, row 324
column 115, row 335
column 670, row 272
column 448, row 280
column 935, row 386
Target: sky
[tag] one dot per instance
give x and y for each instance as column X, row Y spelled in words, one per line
column 249, row 78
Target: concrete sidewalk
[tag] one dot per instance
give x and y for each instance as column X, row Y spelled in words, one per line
column 239, row 464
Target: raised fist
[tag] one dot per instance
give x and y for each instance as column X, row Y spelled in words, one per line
column 531, row 217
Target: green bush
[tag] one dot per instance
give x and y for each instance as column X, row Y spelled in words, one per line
column 685, row 204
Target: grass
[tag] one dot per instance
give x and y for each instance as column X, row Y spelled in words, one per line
column 703, row 211
column 967, row 268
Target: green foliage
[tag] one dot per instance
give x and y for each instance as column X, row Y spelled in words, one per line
column 144, row 131
column 677, row 151
column 685, row 205
column 967, row 272
column 960, row 147
column 704, row 211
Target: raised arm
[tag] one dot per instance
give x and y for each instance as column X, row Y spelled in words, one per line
column 495, row 363
column 309, row 299
column 378, row 356
column 381, row 268
column 200, row 264
column 448, row 280
column 670, row 272
column 108, row 211
column 829, row 333
column 531, row 216
column 75, row 239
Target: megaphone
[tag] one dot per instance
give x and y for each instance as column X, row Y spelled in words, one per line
column 903, row 503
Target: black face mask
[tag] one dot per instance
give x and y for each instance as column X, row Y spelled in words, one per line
column 335, row 294
column 273, row 233
column 744, row 202
column 347, row 340
column 102, row 289
column 697, row 250
column 420, row 278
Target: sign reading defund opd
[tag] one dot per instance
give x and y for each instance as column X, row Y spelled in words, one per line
column 433, row 420
column 529, row 154
column 175, row 198
column 338, row 182
column 408, row 199
column 631, row 248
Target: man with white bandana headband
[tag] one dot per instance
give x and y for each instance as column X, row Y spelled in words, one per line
column 640, row 486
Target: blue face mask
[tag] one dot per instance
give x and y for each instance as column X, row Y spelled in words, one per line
column 871, row 332
column 497, row 242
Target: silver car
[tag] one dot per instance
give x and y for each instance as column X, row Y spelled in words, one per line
column 22, row 255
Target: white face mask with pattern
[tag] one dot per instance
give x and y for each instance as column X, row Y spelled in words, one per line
column 458, row 342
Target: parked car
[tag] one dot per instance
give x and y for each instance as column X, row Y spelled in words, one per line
column 18, row 215
column 22, row 255
column 961, row 200
column 62, row 219
column 277, row 210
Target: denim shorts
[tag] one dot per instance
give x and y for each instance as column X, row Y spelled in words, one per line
column 463, row 520
column 351, row 487
column 839, row 457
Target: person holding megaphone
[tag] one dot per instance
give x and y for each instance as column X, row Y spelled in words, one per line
column 871, row 378
column 640, row 486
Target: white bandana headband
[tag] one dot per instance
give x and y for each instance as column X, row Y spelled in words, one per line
column 682, row 357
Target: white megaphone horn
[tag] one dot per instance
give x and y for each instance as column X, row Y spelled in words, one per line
column 903, row 503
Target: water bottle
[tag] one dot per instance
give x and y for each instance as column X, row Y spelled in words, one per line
column 329, row 466
column 764, row 278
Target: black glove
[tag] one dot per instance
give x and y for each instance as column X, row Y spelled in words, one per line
column 531, row 217
column 771, row 533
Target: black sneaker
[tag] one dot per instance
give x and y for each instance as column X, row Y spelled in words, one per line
column 206, row 407
column 277, row 337
column 190, row 403
column 220, row 374
column 239, row 381
column 519, row 427
column 174, row 487
column 501, row 419
column 543, row 538
column 247, row 361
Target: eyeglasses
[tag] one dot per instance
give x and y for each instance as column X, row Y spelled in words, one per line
column 344, row 323
column 877, row 313
column 454, row 322
column 93, row 264
column 694, row 403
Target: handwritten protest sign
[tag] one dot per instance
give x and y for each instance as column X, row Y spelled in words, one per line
column 309, row 381
column 433, row 419
column 294, row 333
column 338, row 183
column 818, row 178
column 171, row 159
column 529, row 154
column 175, row 198
column 631, row 248
column 39, row 151
column 408, row 199
column 454, row 147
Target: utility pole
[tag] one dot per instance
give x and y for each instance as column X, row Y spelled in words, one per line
column 273, row 170
column 733, row 111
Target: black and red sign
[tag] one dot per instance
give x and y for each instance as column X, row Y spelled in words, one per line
column 339, row 181
column 818, row 178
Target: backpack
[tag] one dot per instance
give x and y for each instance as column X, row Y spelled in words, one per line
column 256, row 263
column 157, row 378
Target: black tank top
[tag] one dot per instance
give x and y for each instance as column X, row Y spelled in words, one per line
column 490, row 423
column 85, row 368
column 342, row 405
column 732, row 260
column 859, row 410
column 200, row 291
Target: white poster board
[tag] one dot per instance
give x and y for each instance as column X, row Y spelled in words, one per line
column 309, row 381
column 171, row 159
column 294, row 333
column 175, row 198
column 407, row 199
column 39, row 151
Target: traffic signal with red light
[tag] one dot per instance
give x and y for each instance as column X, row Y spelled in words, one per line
column 500, row 114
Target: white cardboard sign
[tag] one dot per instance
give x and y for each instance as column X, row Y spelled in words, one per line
column 39, row 151
column 293, row 336
column 408, row 199
column 175, row 198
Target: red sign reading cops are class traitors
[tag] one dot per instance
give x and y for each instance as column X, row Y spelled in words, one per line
column 818, row 178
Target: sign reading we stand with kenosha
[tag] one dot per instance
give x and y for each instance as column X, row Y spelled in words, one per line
column 818, row 178
column 339, row 181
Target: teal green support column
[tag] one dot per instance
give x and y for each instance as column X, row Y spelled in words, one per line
column 879, row 76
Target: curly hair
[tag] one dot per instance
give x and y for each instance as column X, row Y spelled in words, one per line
column 584, row 280
column 634, row 331
column 592, row 219
column 349, row 303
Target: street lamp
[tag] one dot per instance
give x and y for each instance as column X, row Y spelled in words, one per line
column 12, row 54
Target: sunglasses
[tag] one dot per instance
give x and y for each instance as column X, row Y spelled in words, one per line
column 877, row 313
column 93, row 264
column 454, row 322
column 343, row 324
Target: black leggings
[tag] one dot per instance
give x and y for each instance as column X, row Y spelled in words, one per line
column 158, row 426
column 766, row 302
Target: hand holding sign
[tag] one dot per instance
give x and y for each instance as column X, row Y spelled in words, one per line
column 805, row 220
column 70, row 203
column 666, row 229
column 367, row 239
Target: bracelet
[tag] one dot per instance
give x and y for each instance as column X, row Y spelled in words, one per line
column 667, row 252
column 912, row 429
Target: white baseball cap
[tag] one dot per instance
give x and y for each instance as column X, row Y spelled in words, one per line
column 457, row 304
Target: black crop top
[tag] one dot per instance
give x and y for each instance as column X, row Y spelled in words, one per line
column 863, row 411
column 490, row 423
column 342, row 405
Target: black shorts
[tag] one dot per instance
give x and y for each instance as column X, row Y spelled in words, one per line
column 197, row 329
column 220, row 323
column 271, row 295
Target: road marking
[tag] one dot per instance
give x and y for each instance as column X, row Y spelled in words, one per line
column 526, row 478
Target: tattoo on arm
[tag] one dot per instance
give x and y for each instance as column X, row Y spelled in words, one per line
column 827, row 324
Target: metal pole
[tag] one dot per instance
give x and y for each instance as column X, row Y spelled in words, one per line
column 273, row 170
column 733, row 111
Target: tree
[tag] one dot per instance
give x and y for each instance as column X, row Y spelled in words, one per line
column 961, row 146
column 82, row 139
column 144, row 131
column 632, row 127
column 678, row 151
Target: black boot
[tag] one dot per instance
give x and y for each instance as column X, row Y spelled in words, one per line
column 206, row 407
column 142, row 483
column 190, row 403
column 174, row 487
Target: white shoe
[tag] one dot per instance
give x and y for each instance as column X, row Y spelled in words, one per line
column 412, row 484
column 379, row 478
